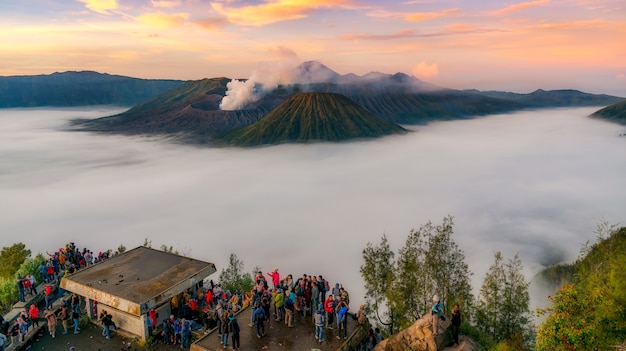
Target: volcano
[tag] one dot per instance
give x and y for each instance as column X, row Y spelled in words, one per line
column 313, row 117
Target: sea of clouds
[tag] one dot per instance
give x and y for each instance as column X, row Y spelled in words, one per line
column 534, row 183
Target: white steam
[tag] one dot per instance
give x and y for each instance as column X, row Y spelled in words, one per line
column 268, row 76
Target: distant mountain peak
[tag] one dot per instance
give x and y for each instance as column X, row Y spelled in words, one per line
column 315, row 72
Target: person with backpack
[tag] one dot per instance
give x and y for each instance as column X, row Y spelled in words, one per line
column 107, row 322
column 51, row 319
column 329, row 308
column 235, row 330
column 289, row 308
column 259, row 321
column 224, row 328
column 435, row 313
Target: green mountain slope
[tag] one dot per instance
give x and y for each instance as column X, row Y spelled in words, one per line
column 190, row 111
column 614, row 113
column 308, row 117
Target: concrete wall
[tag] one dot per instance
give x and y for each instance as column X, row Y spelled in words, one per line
column 126, row 321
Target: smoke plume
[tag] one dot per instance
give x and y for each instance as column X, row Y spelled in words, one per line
column 267, row 76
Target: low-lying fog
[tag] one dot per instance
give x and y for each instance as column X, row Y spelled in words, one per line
column 535, row 183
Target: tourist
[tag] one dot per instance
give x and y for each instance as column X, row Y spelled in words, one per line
column 235, row 330
column 279, row 304
column 289, row 308
column 33, row 313
column 342, row 320
column 224, row 328
column 456, row 324
column 20, row 288
column 48, row 295
column 435, row 313
column 360, row 315
column 275, row 277
column 185, row 333
column 259, row 320
column 51, row 319
column 107, row 322
column 329, row 308
column 75, row 317
column 318, row 317
column 3, row 340
column 15, row 332
column 65, row 317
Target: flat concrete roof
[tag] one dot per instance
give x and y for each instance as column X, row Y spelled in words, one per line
column 138, row 279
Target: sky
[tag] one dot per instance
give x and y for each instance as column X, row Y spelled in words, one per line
column 501, row 45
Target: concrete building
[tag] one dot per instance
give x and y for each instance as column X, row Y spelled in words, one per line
column 128, row 285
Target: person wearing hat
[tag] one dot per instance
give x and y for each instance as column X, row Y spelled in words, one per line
column 360, row 315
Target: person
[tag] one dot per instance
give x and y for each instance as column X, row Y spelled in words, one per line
column 319, row 323
column 289, row 308
column 152, row 316
column 75, row 317
column 435, row 313
column 185, row 333
column 456, row 324
column 378, row 335
column 65, row 317
column 235, row 330
column 33, row 312
column 360, row 315
column 107, row 321
column 329, row 308
column 48, row 296
column 51, row 318
column 3, row 340
column 342, row 320
column 224, row 328
column 15, row 332
column 20, row 288
column 259, row 320
column 275, row 277
column 279, row 304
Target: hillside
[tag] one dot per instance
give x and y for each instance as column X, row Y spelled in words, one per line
column 79, row 89
column 190, row 111
column 614, row 113
column 308, row 117
column 589, row 313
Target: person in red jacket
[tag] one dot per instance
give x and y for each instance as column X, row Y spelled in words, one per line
column 329, row 307
column 33, row 312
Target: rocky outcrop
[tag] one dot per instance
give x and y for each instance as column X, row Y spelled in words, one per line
column 418, row 337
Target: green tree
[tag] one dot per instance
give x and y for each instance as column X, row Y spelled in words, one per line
column 233, row 276
column 377, row 271
column 590, row 314
column 11, row 258
column 429, row 263
column 502, row 310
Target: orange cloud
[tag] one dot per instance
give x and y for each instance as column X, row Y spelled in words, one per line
column 519, row 7
column 163, row 20
column 425, row 70
column 275, row 11
column 423, row 16
column 573, row 24
column 101, row 6
column 211, row 23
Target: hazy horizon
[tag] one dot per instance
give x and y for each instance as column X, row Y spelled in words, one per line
column 532, row 182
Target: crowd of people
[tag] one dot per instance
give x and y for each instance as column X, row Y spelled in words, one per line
column 62, row 262
column 272, row 298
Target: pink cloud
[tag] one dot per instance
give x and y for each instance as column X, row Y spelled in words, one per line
column 519, row 7
column 425, row 70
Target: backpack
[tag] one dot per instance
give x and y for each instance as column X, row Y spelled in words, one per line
column 235, row 326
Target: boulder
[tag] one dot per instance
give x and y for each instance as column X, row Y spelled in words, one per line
column 419, row 337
